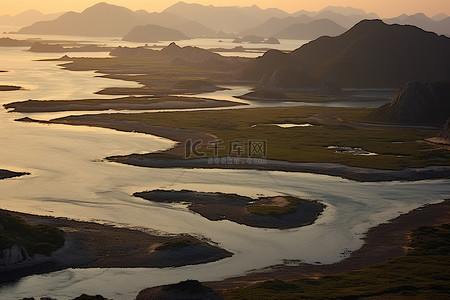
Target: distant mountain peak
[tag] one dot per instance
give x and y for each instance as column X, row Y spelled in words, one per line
column 105, row 7
column 344, row 10
column 173, row 45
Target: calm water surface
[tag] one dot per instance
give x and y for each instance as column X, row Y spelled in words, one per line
column 69, row 179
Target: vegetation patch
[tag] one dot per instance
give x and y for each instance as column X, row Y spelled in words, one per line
column 278, row 212
column 422, row 273
column 273, row 208
column 307, row 144
column 178, row 243
column 42, row 239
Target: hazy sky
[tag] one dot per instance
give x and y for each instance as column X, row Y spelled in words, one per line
column 385, row 8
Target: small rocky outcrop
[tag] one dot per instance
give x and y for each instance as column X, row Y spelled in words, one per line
column 88, row 297
column 417, row 103
column 445, row 132
column 13, row 255
column 42, row 47
column 272, row 41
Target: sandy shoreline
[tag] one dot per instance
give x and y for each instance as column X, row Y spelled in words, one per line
column 330, row 169
column 382, row 242
column 92, row 245
column 127, row 103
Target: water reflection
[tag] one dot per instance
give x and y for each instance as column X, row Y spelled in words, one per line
column 68, row 180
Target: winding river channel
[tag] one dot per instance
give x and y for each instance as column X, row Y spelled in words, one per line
column 69, row 179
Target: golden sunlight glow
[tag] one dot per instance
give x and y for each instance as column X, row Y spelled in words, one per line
column 385, row 8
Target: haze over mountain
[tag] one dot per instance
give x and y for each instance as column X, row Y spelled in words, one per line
column 153, row 33
column 371, row 54
column 195, row 20
column 27, row 18
column 311, row 30
column 344, row 16
column 343, row 20
column 227, row 18
column 439, row 17
column 440, row 26
column 105, row 19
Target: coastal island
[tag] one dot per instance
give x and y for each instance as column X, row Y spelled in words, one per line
column 125, row 103
column 280, row 212
column 5, row 88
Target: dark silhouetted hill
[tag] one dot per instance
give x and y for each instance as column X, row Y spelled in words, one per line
column 227, row 18
column 311, row 30
column 188, row 54
column 418, row 102
column 153, row 33
column 105, row 19
column 370, row 55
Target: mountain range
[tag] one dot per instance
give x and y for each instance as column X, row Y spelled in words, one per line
column 372, row 54
column 195, row 20
column 27, row 18
column 440, row 25
column 105, row 19
column 225, row 18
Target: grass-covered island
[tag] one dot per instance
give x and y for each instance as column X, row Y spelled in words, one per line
column 382, row 151
column 281, row 212
column 124, row 103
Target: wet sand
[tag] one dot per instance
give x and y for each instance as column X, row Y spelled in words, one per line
column 92, row 245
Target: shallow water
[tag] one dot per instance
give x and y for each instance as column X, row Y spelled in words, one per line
column 70, row 180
